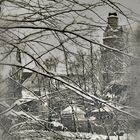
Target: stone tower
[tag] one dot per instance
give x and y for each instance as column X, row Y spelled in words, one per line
column 112, row 62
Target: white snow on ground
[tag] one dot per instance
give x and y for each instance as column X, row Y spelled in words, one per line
column 72, row 136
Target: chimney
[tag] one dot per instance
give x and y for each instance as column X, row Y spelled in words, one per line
column 113, row 20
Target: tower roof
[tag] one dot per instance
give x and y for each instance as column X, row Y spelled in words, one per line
column 113, row 20
column 112, row 14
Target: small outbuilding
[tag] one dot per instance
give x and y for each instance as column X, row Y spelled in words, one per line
column 73, row 109
column 73, row 118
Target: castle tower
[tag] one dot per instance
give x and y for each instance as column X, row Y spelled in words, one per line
column 112, row 62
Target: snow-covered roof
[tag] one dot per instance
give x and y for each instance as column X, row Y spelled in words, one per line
column 24, row 100
column 27, row 95
column 17, row 114
column 92, row 118
column 111, row 36
column 57, row 124
column 76, row 109
column 103, row 109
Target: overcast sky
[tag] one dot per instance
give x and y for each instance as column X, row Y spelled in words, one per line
column 134, row 5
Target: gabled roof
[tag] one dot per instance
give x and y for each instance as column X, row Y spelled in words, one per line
column 35, row 80
column 76, row 109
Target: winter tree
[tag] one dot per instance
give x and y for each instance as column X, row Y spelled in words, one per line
column 51, row 51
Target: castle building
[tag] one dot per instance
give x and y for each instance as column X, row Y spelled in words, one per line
column 112, row 62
